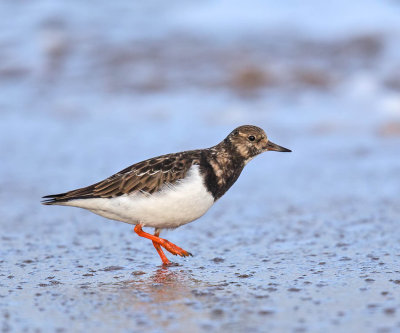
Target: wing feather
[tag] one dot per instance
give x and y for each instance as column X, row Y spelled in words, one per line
column 148, row 176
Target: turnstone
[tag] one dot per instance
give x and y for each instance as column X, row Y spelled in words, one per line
column 171, row 190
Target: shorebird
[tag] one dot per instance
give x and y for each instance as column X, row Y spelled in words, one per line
column 168, row 191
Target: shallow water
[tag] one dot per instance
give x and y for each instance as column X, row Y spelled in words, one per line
column 303, row 242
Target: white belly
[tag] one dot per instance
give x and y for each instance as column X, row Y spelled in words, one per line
column 173, row 206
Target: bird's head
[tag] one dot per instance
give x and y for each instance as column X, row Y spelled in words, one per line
column 249, row 141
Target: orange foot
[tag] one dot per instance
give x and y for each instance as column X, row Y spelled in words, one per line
column 174, row 249
column 158, row 242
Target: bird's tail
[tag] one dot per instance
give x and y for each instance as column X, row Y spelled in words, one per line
column 55, row 199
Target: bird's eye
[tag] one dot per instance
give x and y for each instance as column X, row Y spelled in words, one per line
column 251, row 138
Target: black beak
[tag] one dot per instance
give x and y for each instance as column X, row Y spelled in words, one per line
column 275, row 147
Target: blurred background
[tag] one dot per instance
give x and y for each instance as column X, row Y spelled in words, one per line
column 303, row 242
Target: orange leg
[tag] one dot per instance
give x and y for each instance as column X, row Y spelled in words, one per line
column 157, row 241
column 159, row 249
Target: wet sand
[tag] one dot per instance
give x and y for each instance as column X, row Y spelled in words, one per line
column 277, row 270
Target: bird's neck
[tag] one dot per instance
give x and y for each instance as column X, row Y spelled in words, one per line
column 222, row 167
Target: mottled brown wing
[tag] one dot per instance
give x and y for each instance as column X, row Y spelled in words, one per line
column 145, row 177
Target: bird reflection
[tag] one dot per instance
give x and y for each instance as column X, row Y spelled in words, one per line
column 166, row 283
column 166, row 275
